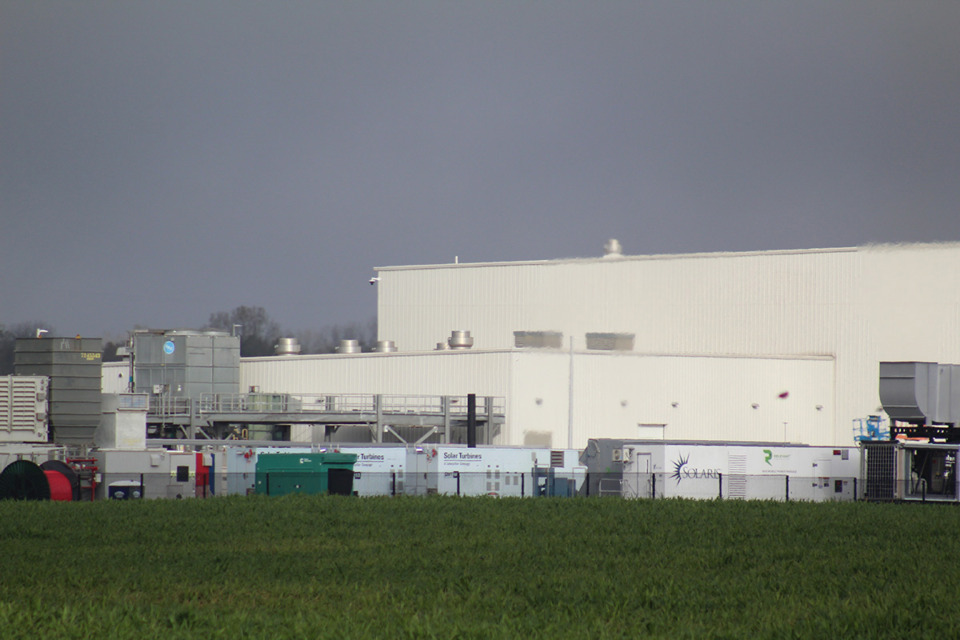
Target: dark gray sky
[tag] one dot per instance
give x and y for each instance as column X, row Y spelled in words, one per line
column 160, row 161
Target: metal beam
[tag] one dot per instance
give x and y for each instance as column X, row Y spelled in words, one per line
column 429, row 433
column 387, row 427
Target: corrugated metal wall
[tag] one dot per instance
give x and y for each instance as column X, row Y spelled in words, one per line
column 747, row 304
column 695, row 398
column 858, row 306
column 114, row 377
column 439, row 373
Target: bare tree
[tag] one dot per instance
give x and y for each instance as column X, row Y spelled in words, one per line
column 327, row 339
column 258, row 333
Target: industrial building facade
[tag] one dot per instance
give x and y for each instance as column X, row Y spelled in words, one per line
column 759, row 346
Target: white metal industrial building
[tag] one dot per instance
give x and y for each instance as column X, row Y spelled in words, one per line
column 755, row 346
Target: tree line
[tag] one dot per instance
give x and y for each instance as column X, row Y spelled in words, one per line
column 259, row 335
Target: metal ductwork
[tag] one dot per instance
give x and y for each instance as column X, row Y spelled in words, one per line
column 921, row 393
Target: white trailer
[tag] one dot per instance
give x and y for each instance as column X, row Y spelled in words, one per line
column 379, row 470
column 505, row 471
column 150, row 473
column 706, row 470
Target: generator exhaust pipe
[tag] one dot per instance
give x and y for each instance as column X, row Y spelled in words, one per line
column 471, row 420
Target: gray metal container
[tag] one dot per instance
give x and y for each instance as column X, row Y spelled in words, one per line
column 73, row 366
column 186, row 364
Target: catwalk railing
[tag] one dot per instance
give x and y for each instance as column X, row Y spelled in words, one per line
column 260, row 403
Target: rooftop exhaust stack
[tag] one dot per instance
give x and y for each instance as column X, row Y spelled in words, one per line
column 287, row 347
column 471, row 420
column 349, row 346
column 386, row 346
column 460, row 340
column 612, row 249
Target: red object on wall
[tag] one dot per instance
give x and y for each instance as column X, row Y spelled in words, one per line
column 60, row 488
column 203, row 477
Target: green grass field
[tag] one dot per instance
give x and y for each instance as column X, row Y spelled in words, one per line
column 306, row 567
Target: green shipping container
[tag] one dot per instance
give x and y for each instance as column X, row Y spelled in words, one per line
column 281, row 473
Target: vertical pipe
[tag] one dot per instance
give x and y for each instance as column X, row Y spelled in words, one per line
column 654, row 478
column 471, row 420
column 458, row 483
column 720, row 482
column 570, row 401
column 787, row 497
column 446, row 419
column 523, row 484
column 393, row 483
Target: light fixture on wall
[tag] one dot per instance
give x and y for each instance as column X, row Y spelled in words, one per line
column 755, row 405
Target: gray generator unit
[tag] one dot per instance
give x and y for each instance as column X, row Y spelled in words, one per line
column 149, row 473
column 73, row 367
column 910, row 471
column 604, row 462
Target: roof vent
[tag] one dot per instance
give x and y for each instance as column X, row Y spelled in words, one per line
column 385, row 346
column 538, row 339
column 612, row 249
column 287, row 347
column 460, row 340
column 349, row 346
column 610, row 341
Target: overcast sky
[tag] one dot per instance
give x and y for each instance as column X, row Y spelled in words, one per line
column 160, row 161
